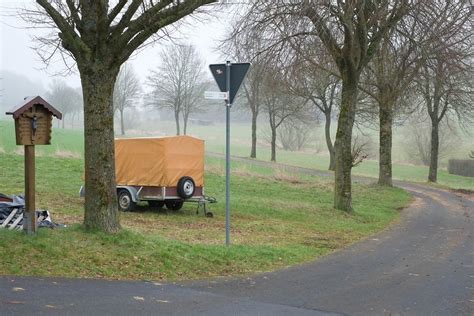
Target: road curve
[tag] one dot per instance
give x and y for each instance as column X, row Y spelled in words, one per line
column 422, row 266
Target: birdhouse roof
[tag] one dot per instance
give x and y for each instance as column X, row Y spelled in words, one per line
column 28, row 102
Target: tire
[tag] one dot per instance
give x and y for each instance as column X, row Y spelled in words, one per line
column 156, row 204
column 186, row 187
column 174, row 205
column 125, row 201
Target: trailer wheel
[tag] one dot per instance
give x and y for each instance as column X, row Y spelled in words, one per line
column 156, row 204
column 174, row 205
column 125, row 201
column 186, row 187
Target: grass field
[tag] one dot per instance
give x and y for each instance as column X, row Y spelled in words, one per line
column 278, row 219
column 240, row 139
column 69, row 143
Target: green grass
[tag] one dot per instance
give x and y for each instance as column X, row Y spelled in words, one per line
column 130, row 255
column 277, row 220
column 240, row 140
column 67, row 143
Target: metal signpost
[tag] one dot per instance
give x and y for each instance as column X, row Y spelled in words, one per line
column 229, row 77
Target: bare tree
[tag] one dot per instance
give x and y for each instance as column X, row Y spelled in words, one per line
column 193, row 102
column 445, row 80
column 388, row 78
column 126, row 91
column 351, row 32
column 322, row 89
column 418, row 139
column 178, row 83
column 294, row 134
column 100, row 36
column 252, row 91
column 247, row 47
column 67, row 99
column 79, row 110
column 279, row 105
column 360, row 149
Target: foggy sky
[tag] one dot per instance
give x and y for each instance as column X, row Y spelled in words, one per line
column 17, row 56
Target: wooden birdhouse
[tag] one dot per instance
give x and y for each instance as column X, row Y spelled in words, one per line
column 33, row 121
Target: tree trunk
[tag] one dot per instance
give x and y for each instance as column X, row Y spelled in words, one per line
column 433, row 172
column 72, row 119
column 122, row 125
column 185, row 124
column 253, row 151
column 176, row 118
column 63, row 120
column 273, row 144
column 385, row 147
column 327, row 132
column 343, row 143
column 101, row 196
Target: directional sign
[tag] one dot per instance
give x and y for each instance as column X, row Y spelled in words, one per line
column 215, row 95
column 237, row 75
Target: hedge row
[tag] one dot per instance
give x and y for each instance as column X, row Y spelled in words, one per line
column 461, row 167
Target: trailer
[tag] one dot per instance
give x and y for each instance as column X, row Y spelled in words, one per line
column 163, row 171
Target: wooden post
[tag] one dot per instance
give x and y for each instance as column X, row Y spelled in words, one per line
column 29, row 218
column 33, row 119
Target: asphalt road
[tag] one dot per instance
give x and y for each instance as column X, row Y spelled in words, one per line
column 422, row 266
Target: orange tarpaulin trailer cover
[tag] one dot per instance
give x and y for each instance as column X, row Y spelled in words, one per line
column 159, row 161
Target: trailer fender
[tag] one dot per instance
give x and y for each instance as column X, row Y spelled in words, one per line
column 132, row 190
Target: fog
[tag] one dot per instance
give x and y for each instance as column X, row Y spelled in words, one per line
column 22, row 73
column 27, row 75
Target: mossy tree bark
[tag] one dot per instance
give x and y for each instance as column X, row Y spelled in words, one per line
column 385, row 147
column 433, row 171
column 343, row 143
column 101, row 198
column 253, row 150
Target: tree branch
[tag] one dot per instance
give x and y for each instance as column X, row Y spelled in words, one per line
column 324, row 33
column 137, row 34
column 116, row 10
column 73, row 42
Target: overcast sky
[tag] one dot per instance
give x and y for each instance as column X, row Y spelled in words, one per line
column 17, row 56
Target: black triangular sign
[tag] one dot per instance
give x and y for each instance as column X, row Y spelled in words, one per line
column 219, row 73
column 237, row 75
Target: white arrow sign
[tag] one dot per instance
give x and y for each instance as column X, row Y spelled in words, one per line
column 215, row 95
